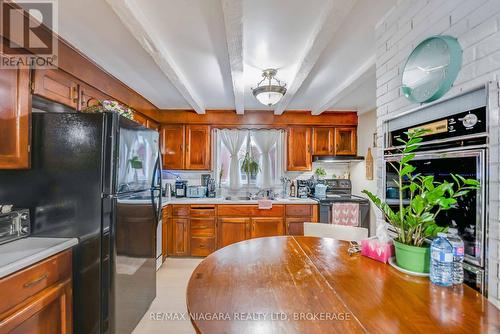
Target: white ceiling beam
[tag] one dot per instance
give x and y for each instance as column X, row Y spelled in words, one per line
column 355, row 80
column 233, row 21
column 132, row 16
column 328, row 24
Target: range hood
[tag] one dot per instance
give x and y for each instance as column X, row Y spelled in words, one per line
column 337, row 158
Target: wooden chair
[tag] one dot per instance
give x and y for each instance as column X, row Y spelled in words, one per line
column 338, row 232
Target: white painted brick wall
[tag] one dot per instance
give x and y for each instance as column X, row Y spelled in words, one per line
column 476, row 25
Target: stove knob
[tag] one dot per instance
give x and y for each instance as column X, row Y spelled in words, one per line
column 469, row 120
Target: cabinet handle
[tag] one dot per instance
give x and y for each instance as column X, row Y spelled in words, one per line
column 35, row 281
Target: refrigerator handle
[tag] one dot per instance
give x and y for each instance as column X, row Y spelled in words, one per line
column 157, row 209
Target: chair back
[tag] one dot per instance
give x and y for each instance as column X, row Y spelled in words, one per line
column 338, row 232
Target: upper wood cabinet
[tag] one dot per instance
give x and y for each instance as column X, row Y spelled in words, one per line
column 141, row 119
column 172, row 146
column 323, row 141
column 186, row 147
column 15, row 111
column 90, row 96
column 57, row 86
column 153, row 125
column 345, row 141
column 299, row 149
column 198, row 147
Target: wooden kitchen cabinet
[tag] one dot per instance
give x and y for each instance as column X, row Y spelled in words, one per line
column 299, row 149
column 90, row 96
column 294, row 226
column 231, row 230
column 345, row 141
column 153, row 125
column 57, row 86
column 141, row 119
column 197, row 147
column 266, row 227
column 181, row 236
column 15, row 111
column 166, row 215
column 323, row 141
column 172, row 146
column 38, row 299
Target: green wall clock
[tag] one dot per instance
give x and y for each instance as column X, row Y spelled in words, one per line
column 431, row 69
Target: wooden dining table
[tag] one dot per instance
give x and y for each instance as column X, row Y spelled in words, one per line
column 296, row 284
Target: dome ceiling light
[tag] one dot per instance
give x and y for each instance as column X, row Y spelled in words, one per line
column 269, row 90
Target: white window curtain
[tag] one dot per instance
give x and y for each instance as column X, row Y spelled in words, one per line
column 265, row 140
column 233, row 140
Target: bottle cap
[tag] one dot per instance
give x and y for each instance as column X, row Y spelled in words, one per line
column 452, row 231
column 442, row 235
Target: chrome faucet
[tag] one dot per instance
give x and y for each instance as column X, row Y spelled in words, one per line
column 266, row 193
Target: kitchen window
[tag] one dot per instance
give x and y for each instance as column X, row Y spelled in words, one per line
column 258, row 143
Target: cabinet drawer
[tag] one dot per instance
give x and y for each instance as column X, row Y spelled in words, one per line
column 180, row 210
column 298, row 210
column 249, row 211
column 201, row 227
column 202, row 246
column 202, row 211
column 23, row 284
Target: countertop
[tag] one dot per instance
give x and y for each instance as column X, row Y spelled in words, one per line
column 219, row 200
column 312, row 285
column 22, row 253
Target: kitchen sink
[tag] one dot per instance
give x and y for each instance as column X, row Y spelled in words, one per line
column 237, row 198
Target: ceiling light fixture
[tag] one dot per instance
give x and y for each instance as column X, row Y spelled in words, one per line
column 269, row 93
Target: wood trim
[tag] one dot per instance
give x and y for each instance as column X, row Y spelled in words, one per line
column 258, row 118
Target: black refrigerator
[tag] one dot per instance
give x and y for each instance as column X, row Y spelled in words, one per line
column 85, row 168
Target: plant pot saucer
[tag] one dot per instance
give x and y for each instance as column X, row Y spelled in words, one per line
column 393, row 263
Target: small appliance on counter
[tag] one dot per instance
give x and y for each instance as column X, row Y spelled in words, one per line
column 14, row 225
column 180, row 188
column 211, row 191
column 320, row 191
column 196, row 191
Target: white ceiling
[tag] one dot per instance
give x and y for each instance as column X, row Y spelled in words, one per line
column 175, row 52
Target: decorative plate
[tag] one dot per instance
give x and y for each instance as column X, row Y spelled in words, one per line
column 431, row 69
column 393, row 263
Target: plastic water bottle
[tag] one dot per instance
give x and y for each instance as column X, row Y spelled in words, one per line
column 441, row 261
column 458, row 256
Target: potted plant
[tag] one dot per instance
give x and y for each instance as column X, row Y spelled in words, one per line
column 415, row 222
column 320, row 172
column 250, row 167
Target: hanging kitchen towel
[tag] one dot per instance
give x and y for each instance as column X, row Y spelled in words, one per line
column 265, row 204
column 345, row 213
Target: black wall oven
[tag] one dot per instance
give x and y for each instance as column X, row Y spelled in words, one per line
column 456, row 144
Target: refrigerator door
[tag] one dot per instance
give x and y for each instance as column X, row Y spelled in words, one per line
column 134, row 265
column 138, row 149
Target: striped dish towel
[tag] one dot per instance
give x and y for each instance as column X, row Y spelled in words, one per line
column 345, row 214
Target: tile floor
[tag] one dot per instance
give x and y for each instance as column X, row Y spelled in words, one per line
column 171, row 283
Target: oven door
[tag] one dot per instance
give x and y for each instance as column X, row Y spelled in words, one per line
column 469, row 214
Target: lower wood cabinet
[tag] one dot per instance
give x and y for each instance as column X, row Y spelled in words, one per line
column 38, row 299
column 231, row 230
column 266, row 227
column 180, row 236
column 199, row 230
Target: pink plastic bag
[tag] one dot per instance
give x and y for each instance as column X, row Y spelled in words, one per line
column 376, row 250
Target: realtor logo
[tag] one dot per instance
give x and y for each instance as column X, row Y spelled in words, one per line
column 28, row 28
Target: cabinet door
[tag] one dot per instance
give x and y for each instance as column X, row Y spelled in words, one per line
column 299, row 149
column 15, row 110
column 266, row 227
column 198, row 147
column 153, row 125
column 180, row 236
column 141, row 119
column 50, row 311
column 172, row 146
column 295, row 226
column 345, row 141
column 90, row 96
column 232, row 230
column 57, row 86
column 323, row 141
